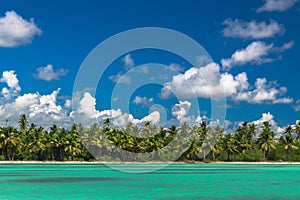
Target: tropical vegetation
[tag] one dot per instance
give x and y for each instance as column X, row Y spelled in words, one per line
column 200, row 142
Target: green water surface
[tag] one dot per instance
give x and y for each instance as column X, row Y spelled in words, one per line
column 176, row 181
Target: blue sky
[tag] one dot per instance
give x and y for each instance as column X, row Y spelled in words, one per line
column 254, row 46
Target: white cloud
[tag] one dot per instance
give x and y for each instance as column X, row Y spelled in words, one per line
column 203, row 82
column 87, row 113
column 181, row 109
column 10, row 78
column 263, row 92
column 276, row 5
column 265, row 117
column 47, row 105
column 15, row 31
column 251, row 30
column 268, row 117
column 47, row 73
column 41, row 109
column 175, row 67
column 128, row 62
column 153, row 117
column 88, row 105
column 284, row 47
column 68, row 103
column 180, row 112
column 203, row 60
column 230, row 127
column 208, row 82
column 255, row 53
column 297, row 106
column 120, row 78
column 44, row 110
column 284, row 100
column 144, row 101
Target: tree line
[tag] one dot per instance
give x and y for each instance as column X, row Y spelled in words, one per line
column 200, row 142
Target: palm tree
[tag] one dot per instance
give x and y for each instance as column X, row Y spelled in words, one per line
column 10, row 142
column 33, row 143
column 266, row 139
column 288, row 141
column 2, row 138
column 72, row 145
column 219, row 147
column 244, row 135
column 229, row 145
column 252, row 129
column 23, row 122
column 171, row 133
column 297, row 130
column 106, row 124
column 56, row 142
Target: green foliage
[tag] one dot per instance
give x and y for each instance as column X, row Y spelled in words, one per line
column 200, row 142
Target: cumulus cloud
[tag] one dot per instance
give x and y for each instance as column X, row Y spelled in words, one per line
column 41, row 109
column 120, row 78
column 44, row 110
column 230, row 126
column 181, row 109
column 153, row 117
column 16, row 31
column 268, row 117
column 48, row 73
column 203, row 82
column 276, row 5
column 87, row 111
column 10, row 78
column 128, row 62
column 254, row 53
column 144, row 101
column 203, row 60
column 263, row 92
column 251, row 30
column 181, row 114
column 87, row 105
column 68, row 103
column 208, row 82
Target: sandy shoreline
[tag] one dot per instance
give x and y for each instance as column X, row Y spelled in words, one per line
column 108, row 163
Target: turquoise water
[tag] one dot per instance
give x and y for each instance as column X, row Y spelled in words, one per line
column 191, row 181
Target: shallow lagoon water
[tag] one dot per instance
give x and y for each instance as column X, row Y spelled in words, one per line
column 175, row 181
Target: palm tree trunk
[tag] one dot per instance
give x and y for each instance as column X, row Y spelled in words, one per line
column 228, row 156
column 266, row 154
